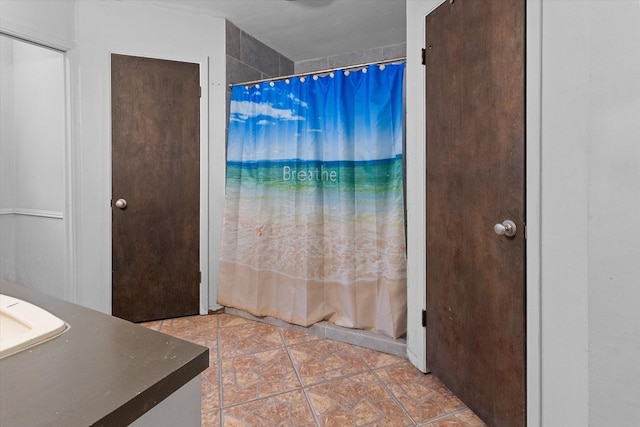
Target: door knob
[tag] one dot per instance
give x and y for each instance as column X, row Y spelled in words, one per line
column 507, row 228
column 121, row 203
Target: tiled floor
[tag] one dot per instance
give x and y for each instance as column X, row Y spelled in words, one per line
column 265, row 375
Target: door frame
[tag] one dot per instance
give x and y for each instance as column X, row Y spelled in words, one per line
column 416, row 199
column 203, row 63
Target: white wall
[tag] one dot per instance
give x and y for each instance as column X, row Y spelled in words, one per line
column 416, row 189
column 38, row 127
column 614, row 205
column 590, row 135
column 50, row 23
column 564, row 214
column 7, row 161
column 38, row 246
column 89, row 31
column 142, row 29
column 32, row 142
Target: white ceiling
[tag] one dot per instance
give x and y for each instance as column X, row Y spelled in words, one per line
column 309, row 29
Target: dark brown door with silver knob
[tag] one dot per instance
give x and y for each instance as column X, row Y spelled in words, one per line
column 155, row 188
column 475, row 136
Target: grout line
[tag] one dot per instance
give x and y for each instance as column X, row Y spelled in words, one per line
column 283, row 347
column 295, row 369
column 324, row 381
column 233, row 356
column 384, row 386
column 257, row 399
column 340, row 378
column 443, row 416
column 368, row 369
column 289, row 347
column 390, row 392
column 353, row 374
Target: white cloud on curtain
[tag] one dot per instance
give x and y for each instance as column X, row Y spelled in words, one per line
column 314, row 210
column 241, row 111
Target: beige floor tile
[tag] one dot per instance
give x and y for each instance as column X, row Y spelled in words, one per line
column 249, row 338
column 292, row 337
column 465, row 418
column 226, row 320
column 356, row 401
column 209, row 382
column 184, row 327
column 207, row 338
column 449, row 421
column 256, row 376
column 470, row 418
column 376, row 359
column 324, row 360
column 423, row 396
column 347, row 385
column 194, row 323
column 288, row 409
column 211, row 419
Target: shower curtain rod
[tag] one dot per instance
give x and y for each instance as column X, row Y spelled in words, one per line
column 328, row 70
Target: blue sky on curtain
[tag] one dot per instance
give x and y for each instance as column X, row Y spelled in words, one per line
column 314, row 210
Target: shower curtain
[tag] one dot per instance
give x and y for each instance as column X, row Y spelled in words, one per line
column 314, row 208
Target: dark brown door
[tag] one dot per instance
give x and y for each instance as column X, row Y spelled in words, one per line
column 156, row 170
column 475, row 179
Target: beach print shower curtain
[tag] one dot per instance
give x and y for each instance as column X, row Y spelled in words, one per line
column 314, row 209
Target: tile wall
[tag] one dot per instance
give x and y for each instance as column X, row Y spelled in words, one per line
column 250, row 59
column 352, row 58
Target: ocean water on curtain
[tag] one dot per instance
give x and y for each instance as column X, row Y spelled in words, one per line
column 314, row 198
column 324, row 233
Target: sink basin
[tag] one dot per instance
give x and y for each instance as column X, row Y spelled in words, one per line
column 23, row 325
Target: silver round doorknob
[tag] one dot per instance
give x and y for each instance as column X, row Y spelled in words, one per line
column 121, row 203
column 507, row 228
